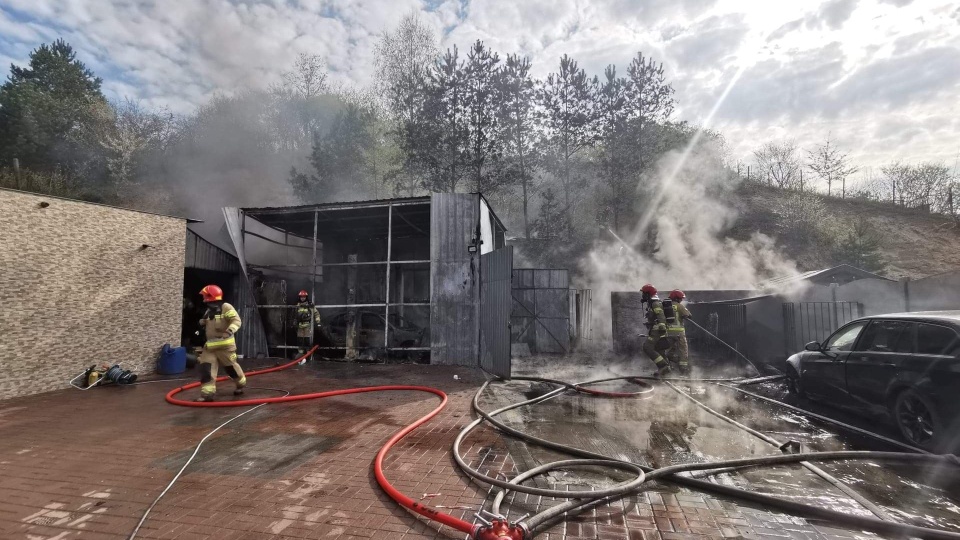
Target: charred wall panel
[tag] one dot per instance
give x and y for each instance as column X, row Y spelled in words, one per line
column 455, row 280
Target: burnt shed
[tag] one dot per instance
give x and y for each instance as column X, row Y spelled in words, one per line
column 391, row 278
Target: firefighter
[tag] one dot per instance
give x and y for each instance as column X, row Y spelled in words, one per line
column 676, row 331
column 656, row 324
column 221, row 321
column 307, row 317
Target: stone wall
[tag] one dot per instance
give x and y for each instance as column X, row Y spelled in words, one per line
column 78, row 287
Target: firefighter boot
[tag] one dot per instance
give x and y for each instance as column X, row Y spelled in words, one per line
column 663, row 368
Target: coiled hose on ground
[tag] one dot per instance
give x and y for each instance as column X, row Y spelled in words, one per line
column 577, row 504
column 579, row 501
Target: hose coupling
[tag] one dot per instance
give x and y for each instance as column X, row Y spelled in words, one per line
column 501, row 529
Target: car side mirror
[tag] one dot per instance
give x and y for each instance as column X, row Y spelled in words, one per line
column 813, row 346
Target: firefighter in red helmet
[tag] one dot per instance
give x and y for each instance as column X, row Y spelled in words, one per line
column 676, row 331
column 656, row 324
column 307, row 317
column 221, row 322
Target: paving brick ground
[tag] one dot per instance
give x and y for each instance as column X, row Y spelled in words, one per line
column 86, row 464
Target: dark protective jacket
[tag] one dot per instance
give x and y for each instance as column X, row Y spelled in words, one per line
column 656, row 320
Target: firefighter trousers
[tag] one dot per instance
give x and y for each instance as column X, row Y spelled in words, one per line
column 650, row 349
column 679, row 342
column 209, row 362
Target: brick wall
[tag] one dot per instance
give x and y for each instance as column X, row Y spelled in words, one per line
column 76, row 289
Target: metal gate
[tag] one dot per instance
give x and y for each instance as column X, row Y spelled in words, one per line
column 541, row 309
column 804, row 322
column 496, row 269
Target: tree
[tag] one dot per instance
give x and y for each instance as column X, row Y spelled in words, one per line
column 482, row 102
column 618, row 155
column 49, row 111
column 551, row 212
column 778, row 163
column 437, row 140
column 131, row 135
column 308, row 77
column 827, row 162
column 566, row 103
column 860, row 247
column 403, row 60
column 519, row 124
column 896, row 176
column 648, row 101
column 339, row 159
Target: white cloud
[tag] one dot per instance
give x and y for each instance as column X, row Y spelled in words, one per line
column 875, row 73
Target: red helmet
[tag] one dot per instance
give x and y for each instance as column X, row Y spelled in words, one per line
column 212, row 293
column 303, row 293
column 677, row 295
column 648, row 289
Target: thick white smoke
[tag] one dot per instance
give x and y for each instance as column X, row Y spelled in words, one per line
column 689, row 248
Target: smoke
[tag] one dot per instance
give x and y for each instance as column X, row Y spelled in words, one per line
column 686, row 246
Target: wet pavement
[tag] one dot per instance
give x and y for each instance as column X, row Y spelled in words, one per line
column 666, row 428
column 86, row 464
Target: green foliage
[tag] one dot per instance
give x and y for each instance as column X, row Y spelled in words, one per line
column 50, row 112
column 860, row 246
column 339, row 158
column 803, row 220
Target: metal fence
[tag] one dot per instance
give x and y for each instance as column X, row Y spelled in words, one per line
column 804, row 322
column 541, row 309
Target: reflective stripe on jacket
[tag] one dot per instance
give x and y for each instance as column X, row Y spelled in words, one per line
column 682, row 314
column 218, row 322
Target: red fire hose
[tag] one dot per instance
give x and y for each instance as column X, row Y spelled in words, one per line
column 400, row 498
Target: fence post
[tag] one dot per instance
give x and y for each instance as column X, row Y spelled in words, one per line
column 905, row 281
column 833, row 297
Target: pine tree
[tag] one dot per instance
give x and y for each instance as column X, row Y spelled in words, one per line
column 482, row 101
column 566, row 101
column 519, row 126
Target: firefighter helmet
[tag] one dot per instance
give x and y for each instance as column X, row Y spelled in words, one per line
column 648, row 290
column 212, row 293
column 303, row 293
column 677, row 295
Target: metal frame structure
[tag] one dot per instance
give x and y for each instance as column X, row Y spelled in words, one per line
column 314, row 269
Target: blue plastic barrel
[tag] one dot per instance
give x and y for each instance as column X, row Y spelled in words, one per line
column 172, row 360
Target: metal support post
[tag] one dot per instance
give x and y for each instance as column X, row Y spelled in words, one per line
column 313, row 277
column 386, row 308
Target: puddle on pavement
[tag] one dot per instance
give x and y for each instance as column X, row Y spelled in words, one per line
column 666, row 428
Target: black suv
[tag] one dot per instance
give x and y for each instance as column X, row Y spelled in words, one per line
column 905, row 367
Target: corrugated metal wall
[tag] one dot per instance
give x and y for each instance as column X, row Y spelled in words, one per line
column 454, row 280
column 495, row 304
column 206, row 256
column 252, row 340
column 541, row 309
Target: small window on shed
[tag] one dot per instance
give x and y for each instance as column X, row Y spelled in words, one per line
column 932, row 339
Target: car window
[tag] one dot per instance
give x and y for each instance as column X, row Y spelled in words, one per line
column 933, row 339
column 371, row 321
column 339, row 321
column 887, row 336
column 844, row 339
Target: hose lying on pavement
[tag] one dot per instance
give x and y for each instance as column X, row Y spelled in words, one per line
column 396, row 495
column 546, row 518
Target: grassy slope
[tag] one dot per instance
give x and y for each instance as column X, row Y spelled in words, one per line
column 915, row 243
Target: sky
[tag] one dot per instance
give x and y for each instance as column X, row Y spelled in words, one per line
column 880, row 77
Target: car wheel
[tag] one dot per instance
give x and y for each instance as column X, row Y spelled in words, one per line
column 918, row 420
column 794, row 384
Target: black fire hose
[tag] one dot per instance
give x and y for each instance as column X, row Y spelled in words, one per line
column 546, row 518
